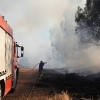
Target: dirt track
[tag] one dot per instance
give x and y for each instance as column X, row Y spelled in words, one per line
column 30, row 87
column 24, row 85
column 27, row 80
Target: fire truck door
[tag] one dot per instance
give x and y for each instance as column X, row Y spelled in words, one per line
column 2, row 51
column 8, row 55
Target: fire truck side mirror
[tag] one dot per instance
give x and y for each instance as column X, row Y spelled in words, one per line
column 21, row 54
column 22, row 48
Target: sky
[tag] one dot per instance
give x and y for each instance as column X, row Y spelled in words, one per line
column 37, row 24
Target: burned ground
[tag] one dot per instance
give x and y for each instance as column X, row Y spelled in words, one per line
column 76, row 86
column 30, row 87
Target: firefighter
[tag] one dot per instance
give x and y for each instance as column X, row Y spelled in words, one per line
column 41, row 64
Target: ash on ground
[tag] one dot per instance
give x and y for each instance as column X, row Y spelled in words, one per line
column 76, row 86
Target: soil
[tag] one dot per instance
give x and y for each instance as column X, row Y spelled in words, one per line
column 31, row 87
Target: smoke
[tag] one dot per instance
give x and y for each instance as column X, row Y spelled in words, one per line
column 68, row 50
column 31, row 22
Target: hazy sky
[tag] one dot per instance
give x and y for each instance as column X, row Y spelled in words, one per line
column 31, row 21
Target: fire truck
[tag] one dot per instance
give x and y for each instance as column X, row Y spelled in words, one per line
column 9, row 54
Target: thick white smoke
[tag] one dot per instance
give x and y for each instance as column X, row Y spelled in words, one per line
column 68, row 50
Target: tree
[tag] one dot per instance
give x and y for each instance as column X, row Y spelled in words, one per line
column 89, row 21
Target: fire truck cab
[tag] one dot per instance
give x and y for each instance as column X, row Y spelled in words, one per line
column 8, row 58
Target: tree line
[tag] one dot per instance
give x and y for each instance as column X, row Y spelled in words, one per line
column 88, row 22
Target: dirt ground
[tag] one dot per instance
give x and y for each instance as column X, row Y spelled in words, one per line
column 54, row 86
column 24, row 85
column 30, row 87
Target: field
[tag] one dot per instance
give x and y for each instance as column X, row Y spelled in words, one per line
column 54, row 86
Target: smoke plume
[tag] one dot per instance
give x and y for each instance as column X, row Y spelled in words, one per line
column 67, row 49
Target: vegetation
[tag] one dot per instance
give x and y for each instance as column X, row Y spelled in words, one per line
column 62, row 96
column 88, row 22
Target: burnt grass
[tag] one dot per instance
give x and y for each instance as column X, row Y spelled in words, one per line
column 75, row 85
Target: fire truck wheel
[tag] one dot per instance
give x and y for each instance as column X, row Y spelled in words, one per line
column 0, row 92
column 14, row 83
column 13, row 89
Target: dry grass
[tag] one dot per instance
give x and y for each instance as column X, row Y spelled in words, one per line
column 62, row 96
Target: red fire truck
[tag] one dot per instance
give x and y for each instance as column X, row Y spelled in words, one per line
column 8, row 58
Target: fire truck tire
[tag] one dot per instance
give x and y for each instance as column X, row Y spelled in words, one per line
column 1, row 92
column 14, row 84
column 13, row 90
